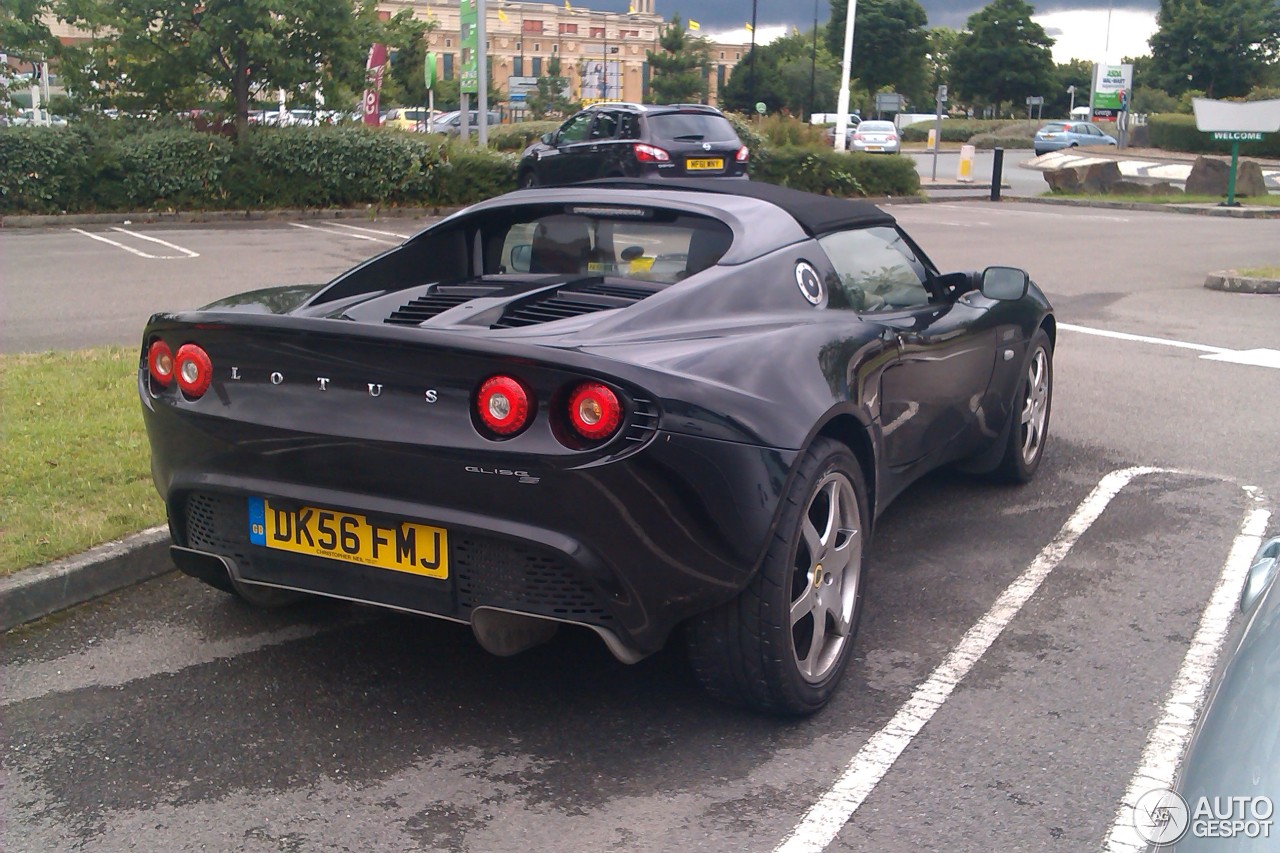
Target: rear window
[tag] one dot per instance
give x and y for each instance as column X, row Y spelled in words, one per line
column 691, row 127
column 1054, row 127
column 640, row 243
column 876, row 127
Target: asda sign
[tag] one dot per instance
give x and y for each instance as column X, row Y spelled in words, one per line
column 1112, row 86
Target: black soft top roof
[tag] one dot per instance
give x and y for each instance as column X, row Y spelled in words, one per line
column 817, row 214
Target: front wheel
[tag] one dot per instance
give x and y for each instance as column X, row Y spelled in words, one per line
column 1033, row 403
column 782, row 645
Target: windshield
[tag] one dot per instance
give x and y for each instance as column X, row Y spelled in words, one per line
column 635, row 242
column 692, row 127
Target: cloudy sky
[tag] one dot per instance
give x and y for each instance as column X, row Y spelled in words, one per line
column 1080, row 28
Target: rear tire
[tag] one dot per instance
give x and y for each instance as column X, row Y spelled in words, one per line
column 1033, row 403
column 263, row 597
column 783, row 644
column 528, row 180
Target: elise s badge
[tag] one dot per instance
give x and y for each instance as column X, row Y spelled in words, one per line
column 810, row 283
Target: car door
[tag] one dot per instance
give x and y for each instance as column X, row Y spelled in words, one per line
column 572, row 144
column 932, row 394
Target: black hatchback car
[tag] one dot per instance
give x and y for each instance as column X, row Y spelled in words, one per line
column 636, row 140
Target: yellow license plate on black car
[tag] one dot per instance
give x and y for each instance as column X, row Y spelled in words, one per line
column 400, row 546
column 704, row 164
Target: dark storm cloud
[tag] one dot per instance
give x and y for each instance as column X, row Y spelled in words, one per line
column 726, row 14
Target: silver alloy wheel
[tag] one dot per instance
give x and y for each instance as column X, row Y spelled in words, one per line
column 828, row 566
column 1035, row 406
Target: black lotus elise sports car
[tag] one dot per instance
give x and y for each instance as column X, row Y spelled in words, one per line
column 634, row 407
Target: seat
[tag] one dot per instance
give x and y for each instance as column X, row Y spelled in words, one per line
column 561, row 245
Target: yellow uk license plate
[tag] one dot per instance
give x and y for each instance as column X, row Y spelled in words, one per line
column 418, row 549
column 705, row 164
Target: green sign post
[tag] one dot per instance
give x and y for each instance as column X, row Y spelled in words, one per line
column 1235, row 138
column 470, row 48
column 1236, row 122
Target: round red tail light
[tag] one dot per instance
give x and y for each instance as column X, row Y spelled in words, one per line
column 194, row 370
column 594, row 411
column 160, row 363
column 503, row 405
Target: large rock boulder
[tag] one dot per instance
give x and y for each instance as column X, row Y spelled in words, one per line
column 1249, row 180
column 1063, row 180
column 1208, row 177
column 1100, row 177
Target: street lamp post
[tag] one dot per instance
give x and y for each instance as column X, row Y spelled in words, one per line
column 842, row 118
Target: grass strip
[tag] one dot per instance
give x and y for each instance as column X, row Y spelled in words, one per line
column 76, row 469
column 1262, row 272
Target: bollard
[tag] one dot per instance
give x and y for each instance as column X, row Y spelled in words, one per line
column 964, row 171
column 997, row 168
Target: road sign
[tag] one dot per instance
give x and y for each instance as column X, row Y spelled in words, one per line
column 760, row 107
column 942, row 94
column 429, row 70
column 1238, row 135
column 889, row 102
column 1236, row 122
column 1035, row 100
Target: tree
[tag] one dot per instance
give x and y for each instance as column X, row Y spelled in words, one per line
column 26, row 38
column 550, row 97
column 680, row 69
column 405, row 75
column 783, row 69
column 1221, row 47
column 170, row 54
column 1078, row 73
column 942, row 42
column 890, row 45
column 1003, row 56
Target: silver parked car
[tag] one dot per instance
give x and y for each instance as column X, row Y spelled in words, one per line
column 878, row 137
column 1057, row 135
column 1234, row 758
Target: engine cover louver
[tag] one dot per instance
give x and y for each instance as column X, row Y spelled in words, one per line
column 437, row 300
column 570, row 302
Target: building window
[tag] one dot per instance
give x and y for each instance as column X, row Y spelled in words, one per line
column 537, row 66
column 537, row 48
column 448, row 66
column 719, row 77
column 568, row 29
column 737, row 54
column 517, row 66
column 597, row 32
column 722, row 54
column 531, row 26
column 631, row 33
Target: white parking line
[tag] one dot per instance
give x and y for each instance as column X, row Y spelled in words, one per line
column 368, row 230
column 345, row 234
column 1168, row 740
column 823, row 821
column 1253, row 357
column 187, row 252
column 139, row 252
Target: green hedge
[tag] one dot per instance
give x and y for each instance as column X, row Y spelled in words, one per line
column 839, row 173
column 1174, row 132
column 517, row 137
column 79, row 169
column 963, row 130
column 987, row 141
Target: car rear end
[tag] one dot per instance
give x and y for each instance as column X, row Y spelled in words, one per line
column 690, row 142
column 1052, row 137
column 356, row 452
column 876, row 137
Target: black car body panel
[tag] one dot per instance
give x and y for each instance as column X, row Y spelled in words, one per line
column 633, row 141
column 360, row 397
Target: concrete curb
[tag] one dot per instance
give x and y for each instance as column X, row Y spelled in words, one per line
column 36, row 592
column 1198, row 210
column 70, row 220
column 1231, row 281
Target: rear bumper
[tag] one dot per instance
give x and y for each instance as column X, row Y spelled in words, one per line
column 631, row 547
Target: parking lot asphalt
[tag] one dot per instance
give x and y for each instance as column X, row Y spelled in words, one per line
column 168, row 717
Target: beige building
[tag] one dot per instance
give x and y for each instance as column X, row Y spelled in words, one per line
column 602, row 54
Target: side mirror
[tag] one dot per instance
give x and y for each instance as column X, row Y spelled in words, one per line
column 548, row 138
column 1262, row 573
column 1004, row 283
column 521, row 257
